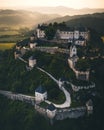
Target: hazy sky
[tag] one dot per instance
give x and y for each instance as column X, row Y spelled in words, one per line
column 68, row 3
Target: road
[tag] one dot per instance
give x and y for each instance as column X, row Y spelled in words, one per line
column 67, row 102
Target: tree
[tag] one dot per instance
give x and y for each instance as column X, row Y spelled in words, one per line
column 50, row 32
column 82, row 65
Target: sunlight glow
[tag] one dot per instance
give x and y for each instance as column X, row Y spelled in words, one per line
column 69, row 3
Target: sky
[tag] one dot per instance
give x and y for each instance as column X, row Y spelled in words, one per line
column 77, row 4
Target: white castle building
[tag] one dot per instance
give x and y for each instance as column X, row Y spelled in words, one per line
column 40, row 94
column 51, row 111
column 40, row 31
column 78, row 35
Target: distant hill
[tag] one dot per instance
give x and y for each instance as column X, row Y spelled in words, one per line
column 94, row 21
column 22, row 18
column 61, row 10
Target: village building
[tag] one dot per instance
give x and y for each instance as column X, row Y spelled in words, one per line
column 51, row 111
column 32, row 61
column 40, row 94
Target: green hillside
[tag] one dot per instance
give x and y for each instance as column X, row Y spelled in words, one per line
column 21, row 116
column 89, row 22
column 94, row 21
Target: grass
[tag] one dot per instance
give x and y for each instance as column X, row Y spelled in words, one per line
column 5, row 46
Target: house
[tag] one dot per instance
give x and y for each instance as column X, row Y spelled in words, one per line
column 40, row 93
column 51, row 111
column 17, row 54
column 89, row 105
column 40, row 31
column 32, row 61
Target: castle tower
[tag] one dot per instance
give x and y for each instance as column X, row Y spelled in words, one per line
column 40, row 94
column 73, row 51
column 51, row 111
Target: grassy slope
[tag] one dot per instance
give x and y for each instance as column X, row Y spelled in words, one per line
column 16, row 114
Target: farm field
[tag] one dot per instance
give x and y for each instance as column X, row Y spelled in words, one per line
column 5, row 46
column 12, row 38
column 9, row 33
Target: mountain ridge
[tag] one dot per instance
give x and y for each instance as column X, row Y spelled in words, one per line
column 62, row 10
column 22, row 18
column 94, row 21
